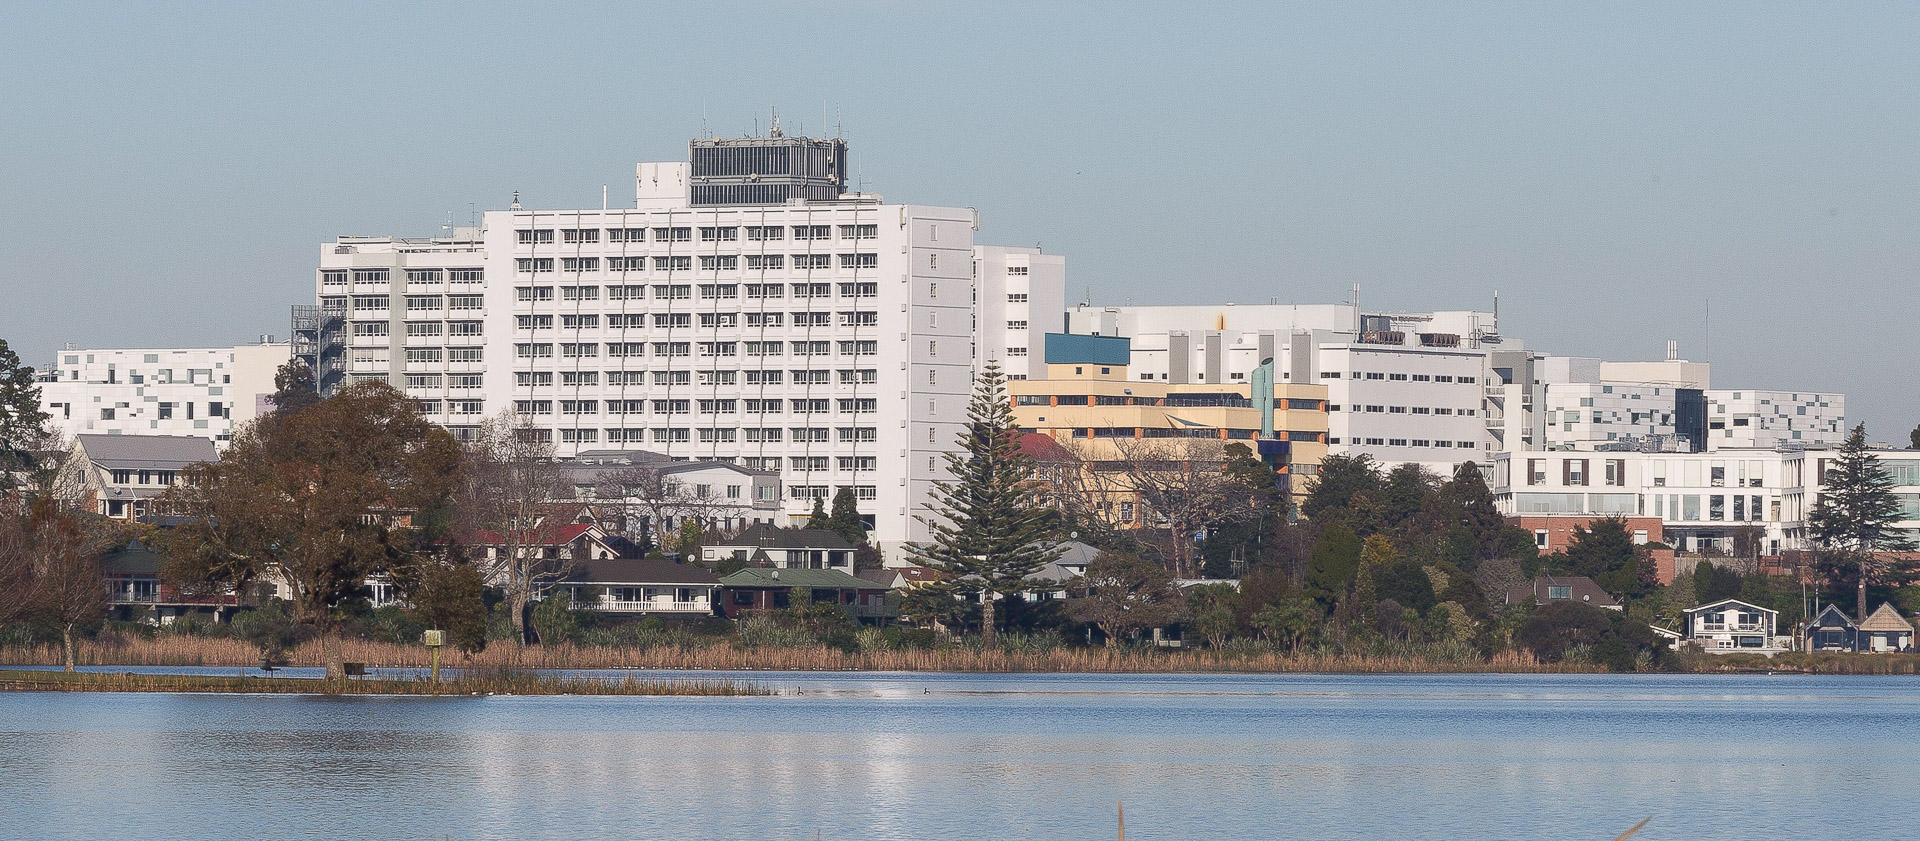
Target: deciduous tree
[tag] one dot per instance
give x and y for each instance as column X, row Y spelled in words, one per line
column 318, row 502
column 509, row 478
column 1123, row 594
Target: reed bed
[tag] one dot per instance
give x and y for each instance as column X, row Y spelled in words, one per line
column 487, row 682
column 1804, row 663
column 721, row 656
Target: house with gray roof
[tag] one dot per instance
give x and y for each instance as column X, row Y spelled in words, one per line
column 656, row 587
column 766, row 546
column 119, row 475
column 759, row 589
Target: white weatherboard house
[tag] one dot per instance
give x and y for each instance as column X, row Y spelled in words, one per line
column 1731, row 626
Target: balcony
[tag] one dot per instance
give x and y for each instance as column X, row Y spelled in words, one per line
column 649, row 606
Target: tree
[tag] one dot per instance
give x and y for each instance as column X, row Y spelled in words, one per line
column 509, row 478
column 990, row 530
column 1181, row 486
column 1913, row 439
column 319, row 502
column 1215, row 609
column 1603, row 550
column 449, row 593
column 1856, row 514
column 649, row 495
column 1341, row 477
column 1332, row 564
column 294, row 388
column 845, row 519
column 817, row 518
column 23, row 426
column 1122, row 594
column 50, row 564
column 687, row 541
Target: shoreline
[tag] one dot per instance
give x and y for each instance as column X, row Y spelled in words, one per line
column 461, row 685
column 721, row 657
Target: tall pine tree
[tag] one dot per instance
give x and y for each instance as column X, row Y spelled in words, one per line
column 1857, row 510
column 991, row 527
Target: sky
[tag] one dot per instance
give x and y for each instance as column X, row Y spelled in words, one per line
column 1740, row 177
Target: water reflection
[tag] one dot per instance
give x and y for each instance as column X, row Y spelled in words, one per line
column 1031, row 756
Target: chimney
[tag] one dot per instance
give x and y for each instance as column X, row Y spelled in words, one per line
column 1673, row 350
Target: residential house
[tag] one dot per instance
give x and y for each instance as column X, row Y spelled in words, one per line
column 131, row 574
column 1547, row 589
column 1885, row 630
column 118, row 476
column 1830, row 630
column 758, row 588
column 640, row 492
column 766, row 546
column 641, row 586
column 1732, row 626
column 545, row 540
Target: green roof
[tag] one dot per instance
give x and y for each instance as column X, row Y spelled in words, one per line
column 760, row 577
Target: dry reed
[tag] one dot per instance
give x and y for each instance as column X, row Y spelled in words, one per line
column 200, row 651
column 488, row 682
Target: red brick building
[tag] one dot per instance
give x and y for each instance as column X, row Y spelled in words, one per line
column 1554, row 532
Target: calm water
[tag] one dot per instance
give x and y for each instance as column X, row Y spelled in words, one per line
column 985, row 757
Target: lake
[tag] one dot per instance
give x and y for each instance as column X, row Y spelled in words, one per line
column 938, row 756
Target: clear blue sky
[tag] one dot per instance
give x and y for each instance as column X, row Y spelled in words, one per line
column 170, row 170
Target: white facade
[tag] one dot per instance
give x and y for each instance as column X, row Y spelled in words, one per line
column 1012, row 323
column 831, row 341
column 1743, row 418
column 201, row 392
column 1436, row 388
column 1700, row 498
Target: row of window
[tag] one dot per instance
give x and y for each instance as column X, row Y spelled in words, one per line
column 1401, row 410
column 708, row 291
column 629, row 321
column 339, row 277
column 708, row 263
column 725, row 233
column 1405, row 442
column 716, row 406
column 1391, row 377
column 591, row 350
column 456, row 329
column 815, row 376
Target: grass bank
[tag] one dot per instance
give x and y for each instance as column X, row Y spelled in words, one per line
column 473, row 683
column 1803, row 663
column 200, row 651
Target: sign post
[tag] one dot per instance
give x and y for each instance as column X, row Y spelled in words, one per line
column 435, row 639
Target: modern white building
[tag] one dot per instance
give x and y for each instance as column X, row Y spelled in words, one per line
column 1668, row 404
column 1436, row 388
column 1701, row 498
column 1020, row 298
column 201, row 392
column 1742, row 418
column 745, row 309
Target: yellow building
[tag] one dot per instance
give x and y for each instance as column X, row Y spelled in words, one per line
column 1090, row 405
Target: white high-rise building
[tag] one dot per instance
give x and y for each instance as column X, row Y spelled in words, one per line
column 199, row 392
column 1021, row 298
column 745, row 309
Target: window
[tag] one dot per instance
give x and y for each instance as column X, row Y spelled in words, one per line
column 423, row 328
column 464, row 354
column 530, row 237
column 579, row 436
column 618, row 349
column 1016, row 270
column 810, row 377
column 580, row 322
column 857, row 433
column 719, row 291
column 540, row 350
column 421, row 303
column 463, row 381
column 672, row 349
column 1559, row 592
column 579, row 378
column 719, row 348
column 727, row 234
column 369, row 328
column 369, row 302
column 807, row 462
column 369, row 275
column 533, row 293
column 808, row 406
column 464, row 302
column 626, row 264
column 812, row 348
column 766, row 261
column 859, row 405
column 809, row 232
column 673, row 319
column 858, row 463
column 860, row 290
column 859, row 261
column 533, row 264
column 672, row 234
column 1016, row 325
column 859, row 231
column 812, row 261
column 580, row 264
column 533, row 322
column 582, row 350
column 853, row 376
column 579, row 293
column 675, row 292
column 859, row 319
column 766, row 233
column 463, row 328
column 672, row 407
column 1016, row 297
column 864, row 347
column 766, row 290
column 719, row 377
column 533, row 407
column 717, row 436
column 669, row 436
column 765, row 377
column 719, row 262
column 331, row 277
column 719, row 319
column 626, row 235
column 579, row 407
column 672, row 264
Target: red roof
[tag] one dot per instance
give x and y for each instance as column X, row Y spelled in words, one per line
column 556, row 536
column 1041, row 447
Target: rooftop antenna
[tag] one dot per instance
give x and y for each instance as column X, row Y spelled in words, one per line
column 473, row 215
column 516, row 201
column 603, row 198
column 774, row 116
column 1706, row 347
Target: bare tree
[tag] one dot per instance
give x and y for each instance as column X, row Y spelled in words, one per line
column 648, row 495
column 510, row 479
column 1178, row 487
